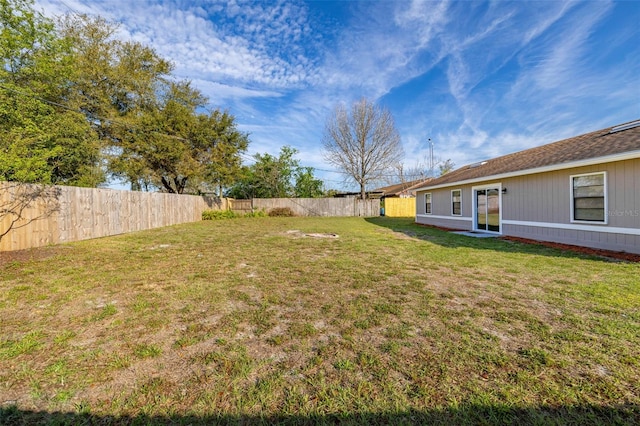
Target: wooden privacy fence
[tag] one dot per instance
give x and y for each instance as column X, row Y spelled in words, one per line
column 400, row 207
column 312, row 206
column 34, row 215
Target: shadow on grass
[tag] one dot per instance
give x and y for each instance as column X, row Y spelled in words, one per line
column 408, row 227
column 466, row 414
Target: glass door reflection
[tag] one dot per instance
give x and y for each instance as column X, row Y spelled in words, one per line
column 488, row 210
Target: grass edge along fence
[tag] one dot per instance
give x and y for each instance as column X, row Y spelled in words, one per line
column 36, row 215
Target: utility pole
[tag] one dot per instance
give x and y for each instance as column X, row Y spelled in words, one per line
column 431, row 162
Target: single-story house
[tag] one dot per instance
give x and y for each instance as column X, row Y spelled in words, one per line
column 582, row 191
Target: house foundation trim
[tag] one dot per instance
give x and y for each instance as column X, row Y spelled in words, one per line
column 432, row 216
column 590, row 228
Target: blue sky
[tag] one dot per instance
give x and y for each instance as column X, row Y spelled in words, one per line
column 480, row 79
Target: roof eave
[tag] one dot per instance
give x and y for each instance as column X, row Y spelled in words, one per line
column 630, row 155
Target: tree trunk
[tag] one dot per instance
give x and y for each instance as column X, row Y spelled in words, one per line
column 180, row 184
column 167, row 185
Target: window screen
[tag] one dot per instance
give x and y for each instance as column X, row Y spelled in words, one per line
column 456, row 202
column 588, row 198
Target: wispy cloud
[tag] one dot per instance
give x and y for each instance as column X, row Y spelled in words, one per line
column 479, row 78
column 542, row 55
column 558, row 61
column 379, row 47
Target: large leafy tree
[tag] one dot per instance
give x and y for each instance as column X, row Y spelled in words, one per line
column 176, row 149
column 306, row 184
column 41, row 139
column 277, row 177
column 362, row 142
column 225, row 152
column 151, row 126
column 113, row 81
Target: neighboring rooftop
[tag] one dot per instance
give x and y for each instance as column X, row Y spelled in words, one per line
column 399, row 188
column 601, row 143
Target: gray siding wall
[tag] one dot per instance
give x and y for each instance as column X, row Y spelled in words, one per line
column 420, row 203
column 546, row 198
column 441, row 202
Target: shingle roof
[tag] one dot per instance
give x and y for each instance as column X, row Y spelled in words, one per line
column 601, row 143
column 401, row 187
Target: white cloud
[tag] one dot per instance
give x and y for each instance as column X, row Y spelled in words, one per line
column 56, row 8
column 243, row 44
column 226, row 92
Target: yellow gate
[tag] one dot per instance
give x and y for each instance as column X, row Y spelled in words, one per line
column 400, row 207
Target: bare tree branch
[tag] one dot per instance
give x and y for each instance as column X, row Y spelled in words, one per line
column 363, row 143
column 18, row 202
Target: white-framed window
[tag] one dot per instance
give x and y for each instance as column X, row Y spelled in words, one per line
column 589, row 198
column 456, row 202
column 427, row 203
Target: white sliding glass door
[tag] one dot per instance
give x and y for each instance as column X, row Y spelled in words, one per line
column 487, row 209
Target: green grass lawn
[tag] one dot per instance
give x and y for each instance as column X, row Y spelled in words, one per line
column 252, row 321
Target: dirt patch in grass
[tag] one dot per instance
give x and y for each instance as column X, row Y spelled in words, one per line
column 298, row 234
column 41, row 253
